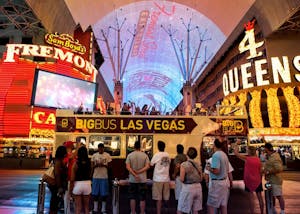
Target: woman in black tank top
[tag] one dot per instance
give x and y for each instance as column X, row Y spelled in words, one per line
column 80, row 185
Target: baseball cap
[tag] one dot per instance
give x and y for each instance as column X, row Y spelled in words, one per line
column 68, row 144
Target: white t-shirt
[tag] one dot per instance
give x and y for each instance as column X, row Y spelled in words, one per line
column 162, row 161
column 104, row 158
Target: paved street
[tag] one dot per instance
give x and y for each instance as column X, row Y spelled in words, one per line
column 19, row 189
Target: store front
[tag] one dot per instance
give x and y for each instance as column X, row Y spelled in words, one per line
column 263, row 75
column 31, row 91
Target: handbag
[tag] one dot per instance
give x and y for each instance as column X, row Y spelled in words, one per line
column 49, row 176
column 199, row 172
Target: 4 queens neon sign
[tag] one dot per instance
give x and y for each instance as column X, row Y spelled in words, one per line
column 256, row 72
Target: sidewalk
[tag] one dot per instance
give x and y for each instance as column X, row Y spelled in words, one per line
column 19, row 195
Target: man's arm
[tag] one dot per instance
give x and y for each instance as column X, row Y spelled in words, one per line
column 145, row 168
column 230, row 179
column 235, row 150
column 130, row 170
column 275, row 168
column 215, row 170
column 176, row 170
column 182, row 174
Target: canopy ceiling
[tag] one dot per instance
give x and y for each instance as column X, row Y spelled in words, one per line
column 225, row 14
column 156, row 68
column 159, row 63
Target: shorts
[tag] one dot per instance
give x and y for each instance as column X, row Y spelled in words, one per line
column 137, row 191
column 258, row 189
column 178, row 187
column 190, row 198
column 100, row 187
column 218, row 193
column 82, row 188
column 161, row 190
column 277, row 190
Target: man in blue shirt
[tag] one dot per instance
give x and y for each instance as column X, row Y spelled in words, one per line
column 218, row 192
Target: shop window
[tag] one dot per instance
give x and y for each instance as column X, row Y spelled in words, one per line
column 241, row 142
column 112, row 144
column 81, row 140
column 146, row 144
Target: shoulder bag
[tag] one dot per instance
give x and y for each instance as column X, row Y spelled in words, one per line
column 49, row 176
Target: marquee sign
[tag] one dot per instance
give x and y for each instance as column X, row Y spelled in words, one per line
column 234, row 127
column 125, row 125
column 65, row 41
column 49, row 52
column 280, row 70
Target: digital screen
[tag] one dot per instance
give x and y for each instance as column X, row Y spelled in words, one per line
column 59, row 91
column 154, row 68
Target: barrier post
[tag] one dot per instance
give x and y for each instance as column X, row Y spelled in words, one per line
column 116, row 197
column 269, row 198
column 41, row 197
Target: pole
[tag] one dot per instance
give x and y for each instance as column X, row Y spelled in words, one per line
column 269, row 198
column 116, row 197
column 41, row 197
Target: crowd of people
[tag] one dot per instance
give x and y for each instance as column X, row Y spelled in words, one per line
column 130, row 108
column 79, row 178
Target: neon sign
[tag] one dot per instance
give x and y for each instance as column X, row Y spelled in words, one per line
column 65, row 41
column 126, row 125
column 49, row 52
column 280, row 67
column 43, row 118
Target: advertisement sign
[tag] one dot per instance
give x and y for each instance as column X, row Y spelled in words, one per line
column 125, row 125
column 231, row 127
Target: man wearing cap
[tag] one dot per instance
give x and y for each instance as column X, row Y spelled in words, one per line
column 69, row 160
column 272, row 169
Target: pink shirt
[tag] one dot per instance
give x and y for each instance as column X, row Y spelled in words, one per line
column 252, row 174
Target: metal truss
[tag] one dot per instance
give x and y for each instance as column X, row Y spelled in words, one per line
column 17, row 14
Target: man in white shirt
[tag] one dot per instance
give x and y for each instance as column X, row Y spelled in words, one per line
column 100, row 188
column 161, row 178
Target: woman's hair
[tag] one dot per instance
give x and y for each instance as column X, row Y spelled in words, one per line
column 84, row 164
column 61, row 152
column 192, row 153
column 82, row 154
column 251, row 150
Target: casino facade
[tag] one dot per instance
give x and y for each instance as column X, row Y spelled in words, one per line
column 248, row 55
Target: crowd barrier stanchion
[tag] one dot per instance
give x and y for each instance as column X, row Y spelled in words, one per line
column 41, row 197
column 116, row 197
column 269, row 198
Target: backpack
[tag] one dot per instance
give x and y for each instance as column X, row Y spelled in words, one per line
column 49, row 176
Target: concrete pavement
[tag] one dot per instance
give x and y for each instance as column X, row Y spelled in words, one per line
column 19, row 190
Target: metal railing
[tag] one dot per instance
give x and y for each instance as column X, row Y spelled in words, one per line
column 269, row 198
column 41, row 197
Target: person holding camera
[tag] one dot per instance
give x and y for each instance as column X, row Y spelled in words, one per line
column 272, row 169
column 252, row 176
